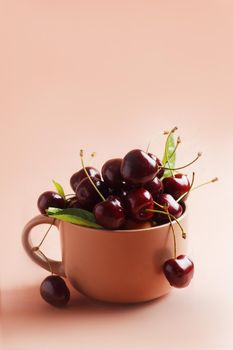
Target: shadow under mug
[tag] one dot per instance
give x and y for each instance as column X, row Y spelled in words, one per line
column 123, row 266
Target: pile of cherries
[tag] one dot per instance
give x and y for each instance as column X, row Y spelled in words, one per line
column 129, row 193
column 125, row 193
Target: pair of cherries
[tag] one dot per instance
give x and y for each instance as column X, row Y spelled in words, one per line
column 178, row 272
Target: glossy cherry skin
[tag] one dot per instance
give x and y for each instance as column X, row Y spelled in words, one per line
column 138, row 167
column 176, row 185
column 160, row 172
column 87, row 195
column 179, row 271
column 137, row 201
column 77, row 177
column 111, row 172
column 173, row 207
column 50, row 199
column 54, row 291
column 155, row 187
column 110, row 213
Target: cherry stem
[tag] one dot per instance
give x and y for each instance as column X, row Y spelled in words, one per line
column 90, row 179
column 159, row 205
column 173, row 233
column 47, row 260
column 93, row 154
column 172, row 216
column 187, row 192
column 148, row 146
column 205, row 183
column 45, row 235
column 184, row 166
column 178, row 141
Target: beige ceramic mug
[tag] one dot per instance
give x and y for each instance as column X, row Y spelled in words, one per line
column 123, row 266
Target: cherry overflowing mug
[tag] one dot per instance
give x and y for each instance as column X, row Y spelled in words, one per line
column 122, row 266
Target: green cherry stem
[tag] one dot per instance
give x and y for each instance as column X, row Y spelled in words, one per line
column 90, row 179
column 205, row 183
column 194, row 188
column 47, row 260
column 178, row 141
column 45, row 235
column 159, row 205
column 148, row 146
column 172, row 216
column 187, row 192
column 173, row 234
column 184, row 166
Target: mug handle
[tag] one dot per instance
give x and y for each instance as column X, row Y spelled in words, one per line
column 56, row 266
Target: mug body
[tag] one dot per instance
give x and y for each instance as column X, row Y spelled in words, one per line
column 123, row 266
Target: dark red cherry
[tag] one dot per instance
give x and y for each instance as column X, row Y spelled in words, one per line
column 160, row 172
column 54, row 291
column 155, row 187
column 76, row 178
column 111, row 172
column 179, row 271
column 138, row 167
column 110, row 213
column 173, row 207
column 87, row 195
column 176, row 185
column 50, row 199
column 137, row 201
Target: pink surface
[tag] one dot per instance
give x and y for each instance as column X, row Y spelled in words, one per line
column 109, row 76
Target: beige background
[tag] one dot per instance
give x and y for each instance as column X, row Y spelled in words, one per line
column 108, row 76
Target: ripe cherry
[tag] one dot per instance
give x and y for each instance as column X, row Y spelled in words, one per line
column 77, row 177
column 110, row 213
column 137, row 201
column 179, row 271
column 138, row 167
column 87, row 195
column 176, row 185
column 111, row 172
column 54, row 291
column 160, row 172
column 172, row 206
column 155, row 187
column 50, row 199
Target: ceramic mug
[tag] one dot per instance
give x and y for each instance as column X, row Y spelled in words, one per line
column 123, row 266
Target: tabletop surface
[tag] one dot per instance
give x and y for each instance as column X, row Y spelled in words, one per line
column 109, row 77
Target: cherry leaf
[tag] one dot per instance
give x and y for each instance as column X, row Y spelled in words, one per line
column 75, row 216
column 169, row 157
column 59, row 189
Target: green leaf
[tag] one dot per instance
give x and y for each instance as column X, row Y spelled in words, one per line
column 59, row 189
column 84, row 214
column 169, row 157
column 74, row 215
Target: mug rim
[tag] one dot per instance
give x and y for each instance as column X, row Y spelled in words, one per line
column 184, row 214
